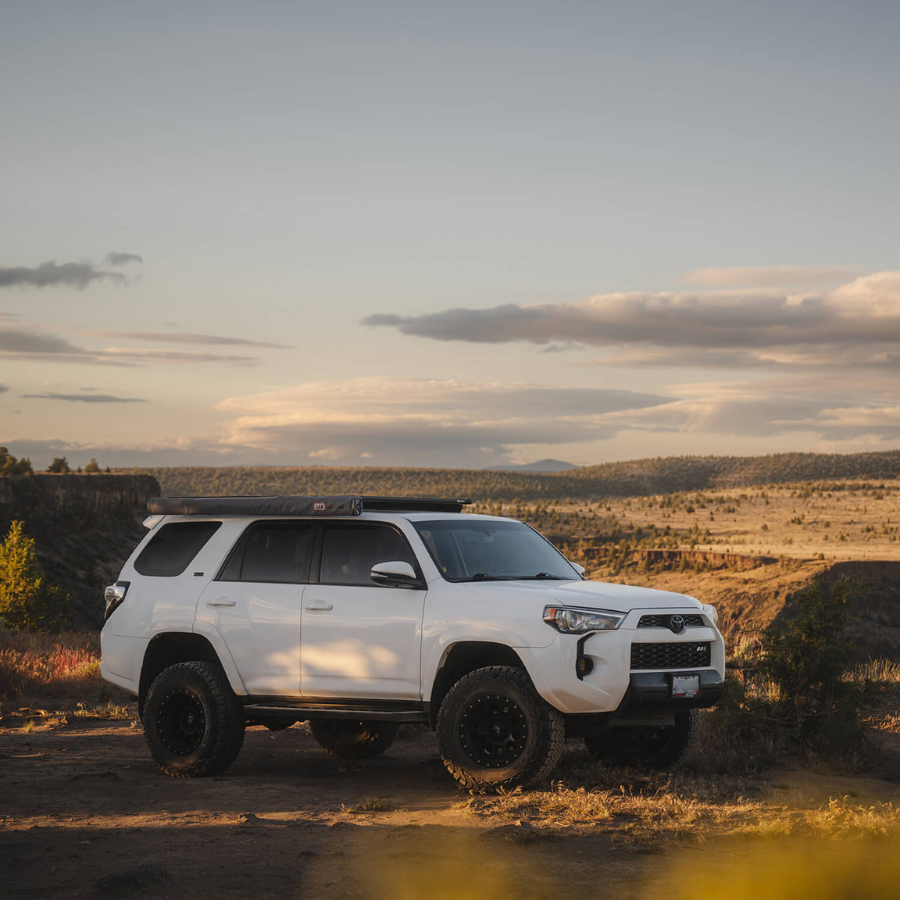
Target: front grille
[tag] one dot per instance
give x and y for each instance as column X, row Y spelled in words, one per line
column 690, row 621
column 680, row 655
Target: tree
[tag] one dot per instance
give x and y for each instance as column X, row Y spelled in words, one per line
column 28, row 602
column 9, row 465
column 92, row 467
column 59, row 466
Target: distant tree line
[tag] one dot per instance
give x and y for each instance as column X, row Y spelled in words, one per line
column 636, row 478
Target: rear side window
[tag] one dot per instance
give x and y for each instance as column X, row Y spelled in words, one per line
column 271, row 552
column 172, row 548
column 350, row 551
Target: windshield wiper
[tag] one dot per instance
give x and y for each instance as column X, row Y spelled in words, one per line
column 542, row 576
column 483, row 576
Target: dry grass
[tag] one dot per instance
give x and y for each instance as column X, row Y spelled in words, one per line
column 880, row 671
column 371, row 804
column 41, row 674
column 660, row 811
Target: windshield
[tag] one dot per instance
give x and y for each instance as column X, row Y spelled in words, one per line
column 468, row 549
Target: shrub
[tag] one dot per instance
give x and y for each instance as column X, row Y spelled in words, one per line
column 795, row 690
column 28, row 602
column 809, row 662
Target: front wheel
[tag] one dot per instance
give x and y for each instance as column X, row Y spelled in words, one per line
column 193, row 722
column 656, row 747
column 495, row 731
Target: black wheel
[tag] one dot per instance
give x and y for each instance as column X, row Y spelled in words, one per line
column 193, row 722
column 353, row 740
column 656, row 748
column 495, row 731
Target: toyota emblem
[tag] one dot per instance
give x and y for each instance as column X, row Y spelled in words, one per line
column 676, row 623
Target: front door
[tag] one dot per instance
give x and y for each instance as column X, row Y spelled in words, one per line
column 255, row 604
column 360, row 640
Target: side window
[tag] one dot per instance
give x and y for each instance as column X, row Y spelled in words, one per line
column 173, row 547
column 350, row 551
column 271, row 552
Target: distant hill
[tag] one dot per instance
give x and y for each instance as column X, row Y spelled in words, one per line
column 542, row 465
column 639, row 477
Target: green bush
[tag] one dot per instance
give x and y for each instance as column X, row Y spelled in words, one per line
column 28, row 602
column 809, row 662
column 793, row 692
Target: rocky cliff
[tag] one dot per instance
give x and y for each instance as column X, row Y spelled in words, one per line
column 85, row 527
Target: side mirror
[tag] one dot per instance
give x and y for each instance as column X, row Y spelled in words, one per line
column 394, row 574
column 579, row 569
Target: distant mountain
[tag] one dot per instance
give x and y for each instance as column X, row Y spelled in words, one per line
column 542, row 465
column 632, row 478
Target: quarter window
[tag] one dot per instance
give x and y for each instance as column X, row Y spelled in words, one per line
column 350, row 551
column 173, row 547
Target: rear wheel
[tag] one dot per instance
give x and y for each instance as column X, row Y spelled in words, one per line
column 495, row 731
column 656, row 747
column 193, row 722
column 353, row 740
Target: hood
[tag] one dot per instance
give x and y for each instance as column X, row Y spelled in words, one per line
column 596, row 594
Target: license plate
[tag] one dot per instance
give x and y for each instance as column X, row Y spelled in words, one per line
column 685, row 686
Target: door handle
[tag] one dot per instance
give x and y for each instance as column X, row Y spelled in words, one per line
column 222, row 601
column 319, row 605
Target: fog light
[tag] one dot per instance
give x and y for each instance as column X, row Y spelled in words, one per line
column 584, row 666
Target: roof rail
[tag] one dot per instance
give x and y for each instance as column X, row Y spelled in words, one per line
column 297, row 506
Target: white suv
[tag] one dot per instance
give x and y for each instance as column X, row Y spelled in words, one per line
column 357, row 614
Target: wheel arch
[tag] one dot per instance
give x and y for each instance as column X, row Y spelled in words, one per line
column 166, row 649
column 463, row 657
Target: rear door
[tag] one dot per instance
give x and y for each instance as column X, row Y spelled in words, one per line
column 255, row 604
column 360, row 639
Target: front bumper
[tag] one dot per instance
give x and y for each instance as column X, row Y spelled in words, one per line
column 610, row 685
column 651, row 692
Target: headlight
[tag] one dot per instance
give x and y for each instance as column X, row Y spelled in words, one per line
column 581, row 621
column 711, row 613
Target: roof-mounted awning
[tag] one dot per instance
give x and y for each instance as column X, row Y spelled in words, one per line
column 297, row 506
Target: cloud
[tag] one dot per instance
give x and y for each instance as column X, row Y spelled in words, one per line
column 167, row 337
column 774, row 408
column 769, row 276
column 122, row 259
column 50, row 274
column 140, row 356
column 24, row 344
column 35, row 343
column 84, row 398
column 419, row 421
column 854, row 325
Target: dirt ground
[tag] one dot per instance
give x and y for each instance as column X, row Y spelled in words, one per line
column 84, row 813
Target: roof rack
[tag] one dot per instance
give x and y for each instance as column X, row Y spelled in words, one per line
column 413, row 504
column 297, row 506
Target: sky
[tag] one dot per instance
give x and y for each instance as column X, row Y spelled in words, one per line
column 447, row 234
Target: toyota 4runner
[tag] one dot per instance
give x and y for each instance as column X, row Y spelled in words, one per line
column 358, row 614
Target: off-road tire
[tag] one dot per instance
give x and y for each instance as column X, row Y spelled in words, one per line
column 351, row 740
column 193, row 722
column 529, row 738
column 659, row 748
